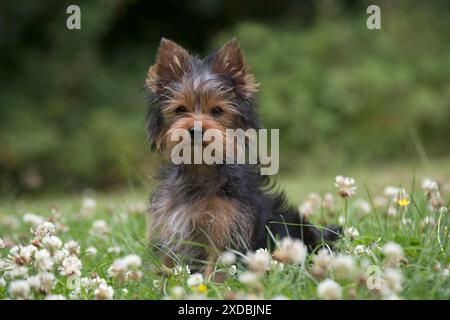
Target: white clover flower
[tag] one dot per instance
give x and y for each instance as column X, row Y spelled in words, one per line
column 428, row 221
column 86, row 282
column 276, row 265
column 306, row 209
column 346, row 186
column 362, row 206
column 380, row 201
column 71, row 266
column 73, row 247
column 359, row 249
column 92, row 283
column 43, row 260
column 5, row 265
column 322, row 262
column 89, row 204
column 181, row 270
column 343, row 266
column 19, row 289
column 280, row 297
column 391, row 296
column 177, row 293
column 249, row 278
column 2, row 243
column 406, row 222
column 156, row 283
column 55, row 297
column 232, row 270
column 60, row 255
column 393, row 253
column 17, row 272
column 435, row 201
column 134, row 275
column 351, row 233
column 341, row 220
column 329, row 290
column 429, row 186
column 395, row 193
column 290, row 251
column 126, row 268
column 195, row 280
column 96, row 281
column 114, row 250
column 227, row 258
column 11, row 222
column 328, row 201
column 258, row 261
column 393, row 278
column 22, row 255
column 132, row 261
column 118, row 269
column 91, row 251
column 45, row 229
column 99, row 228
column 42, row 282
column 33, row 220
column 437, row 266
column 104, row 292
column 89, row 283
column 323, row 259
column 315, row 199
column 52, row 243
column 125, row 291
column 48, row 281
column 75, row 294
column 392, row 211
column 2, row 282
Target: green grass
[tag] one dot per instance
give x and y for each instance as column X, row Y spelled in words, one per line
column 426, row 248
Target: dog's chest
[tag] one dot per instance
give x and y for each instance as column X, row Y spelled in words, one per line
column 210, row 220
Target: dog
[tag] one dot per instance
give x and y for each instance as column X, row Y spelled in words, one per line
column 198, row 210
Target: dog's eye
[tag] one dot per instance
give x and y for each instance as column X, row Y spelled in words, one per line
column 180, row 110
column 217, row 111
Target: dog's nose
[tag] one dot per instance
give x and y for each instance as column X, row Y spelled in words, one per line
column 195, row 131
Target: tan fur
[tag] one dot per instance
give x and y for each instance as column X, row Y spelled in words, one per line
column 231, row 60
column 212, row 221
column 171, row 63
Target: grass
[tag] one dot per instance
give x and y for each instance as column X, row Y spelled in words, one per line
column 424, row 268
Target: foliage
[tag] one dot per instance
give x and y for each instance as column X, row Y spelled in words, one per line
column 72, row 108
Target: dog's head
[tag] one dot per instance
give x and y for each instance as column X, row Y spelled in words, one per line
column 219, row 91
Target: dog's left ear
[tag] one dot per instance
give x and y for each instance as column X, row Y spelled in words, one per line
column 172, row 62
column 230, row 60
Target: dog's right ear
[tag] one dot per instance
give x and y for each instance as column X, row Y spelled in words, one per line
column 172, row 62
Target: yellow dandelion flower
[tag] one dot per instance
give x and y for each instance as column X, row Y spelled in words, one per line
column 403, row 202
column 202, row 288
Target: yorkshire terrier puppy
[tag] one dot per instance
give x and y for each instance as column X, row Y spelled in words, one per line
column 199, row 210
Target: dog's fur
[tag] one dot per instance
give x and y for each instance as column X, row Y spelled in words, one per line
column 216, row 206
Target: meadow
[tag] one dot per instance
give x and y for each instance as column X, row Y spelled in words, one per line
column 92, row 245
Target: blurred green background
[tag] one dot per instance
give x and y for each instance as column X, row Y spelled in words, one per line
column 72, row 103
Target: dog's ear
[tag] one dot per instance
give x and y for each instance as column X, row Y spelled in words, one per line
column 230, row 60
column 172, row 62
